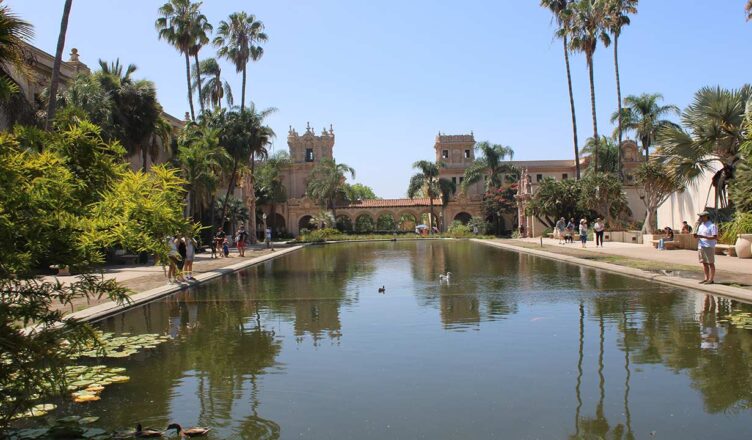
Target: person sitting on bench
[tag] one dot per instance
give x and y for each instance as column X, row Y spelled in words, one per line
column 668, row 235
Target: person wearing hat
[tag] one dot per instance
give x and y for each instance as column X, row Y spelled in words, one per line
column 583, row 232
column 599, row 227
column 707, row 234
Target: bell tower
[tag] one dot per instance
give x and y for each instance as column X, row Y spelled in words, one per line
column 456, row 151
column 308, row 147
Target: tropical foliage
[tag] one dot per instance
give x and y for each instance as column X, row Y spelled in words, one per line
column 643, row 116
column 327, row 184
column 490, row 166
column 270, row 187
column 427, row 181
column 608, row 155
column 13, row 33
column 658, row 184
column 214, row 89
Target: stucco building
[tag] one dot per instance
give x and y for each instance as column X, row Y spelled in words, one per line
column 457, row 152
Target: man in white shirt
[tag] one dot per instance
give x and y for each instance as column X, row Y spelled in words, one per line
column 707, row 235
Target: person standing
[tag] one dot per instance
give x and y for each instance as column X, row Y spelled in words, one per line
column 569, row 232
column 561, row 225
column 190, row 253
column 707, row 234
column 219, row 239
column 240, row 239
column 599, row 227
column 583, row 232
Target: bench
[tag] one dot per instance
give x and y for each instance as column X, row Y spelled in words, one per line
column 668, row 245
column 127, row 259
column 725, row 249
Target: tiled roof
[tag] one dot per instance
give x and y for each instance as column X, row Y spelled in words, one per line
column 391, row 203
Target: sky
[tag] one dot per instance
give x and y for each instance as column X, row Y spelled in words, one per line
column 390, row 75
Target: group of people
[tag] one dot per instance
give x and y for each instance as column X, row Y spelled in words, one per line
column 668, row 234
column 220, row 246
column 565, row 231
column 181, row 250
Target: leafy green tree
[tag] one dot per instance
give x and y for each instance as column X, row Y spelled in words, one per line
column 386, row 222
column 490, row 166
column 497, row 202
column 562, row 12
column 589, row 27
column 554, row 199
column 608, row 155
column 238, row 41
column 235, row 212
column 214, row 90
column 643, row 116
column 327, row 184
column 658, row 184
column 55, row 80
column 179, row 24
column 364, row 224
column 714, row 136
column 270, row 183
column 358, row 191
column 602, row 194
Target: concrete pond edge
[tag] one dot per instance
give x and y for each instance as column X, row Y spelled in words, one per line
column 109, row 308
column 716, row 289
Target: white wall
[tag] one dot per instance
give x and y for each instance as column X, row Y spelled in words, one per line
column 684, row 205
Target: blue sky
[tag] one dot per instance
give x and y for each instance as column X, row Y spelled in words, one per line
column 389, row 75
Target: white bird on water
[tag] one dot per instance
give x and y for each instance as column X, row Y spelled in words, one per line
column 446, row 277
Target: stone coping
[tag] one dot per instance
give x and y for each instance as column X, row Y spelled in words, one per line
column 716, row 289
column 104, row 310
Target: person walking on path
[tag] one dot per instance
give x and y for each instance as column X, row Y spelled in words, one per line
column 240, row 239
column 190, row 253
column 583, row 232
column 561, row 225
column 707, row 234
column 599, row 227
column 219, row 240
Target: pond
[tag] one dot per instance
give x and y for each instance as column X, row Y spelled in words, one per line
column 514, row 346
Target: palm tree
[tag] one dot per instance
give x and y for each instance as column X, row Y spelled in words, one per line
column 427, row 182
column 201, row 161
column 179, row 24
column 608, row 154
column 55, row 80
column 563, row 17
column 270, row 179
column 447, row 188
column 643, row 115
column 715, row 133
column 327, row 184
column 234, row 210
column 13, row 33
column 201, row 30
column 237, row 40
column 489, row 166
column 617, row 16
column 214, row 89
column 588, row 28
column 748, row 10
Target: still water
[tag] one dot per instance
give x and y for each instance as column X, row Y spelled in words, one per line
column 514, row 347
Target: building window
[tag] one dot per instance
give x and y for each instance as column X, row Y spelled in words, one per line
column 467, row 154
column 564, row 176
column 461, row 179
column 538, row 177
column 630, row 178
column 309, row 154
column 445, row 154
column 454, row 180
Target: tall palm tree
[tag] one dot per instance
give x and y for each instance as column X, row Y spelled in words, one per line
column 617, row 16
column 563, row 17
column 715, row 133
column 490, row 166
column 588, row 29
column 201, row 31
column 327, row 184
column 748, row 10
column 643, row 115
column 427, row 182
column 608, row 154
column 55, row 80
column 179, row 24
column 238, row 41
column 214, row 89
column 201, row 162
column 14, row 32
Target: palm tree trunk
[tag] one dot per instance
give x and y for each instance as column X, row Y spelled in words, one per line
column 646, row 147
column 571, row 106
column 143, row 159
column 242, row 97
column 592, row 105
column 188, row 79
column 55, row 80
column 198, row 83
column 227, row 195
column 252, row 203
column 618, row 97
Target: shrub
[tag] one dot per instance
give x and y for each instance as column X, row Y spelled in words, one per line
column 742, row 224
column 320, row 235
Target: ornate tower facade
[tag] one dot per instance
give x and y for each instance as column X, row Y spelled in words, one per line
column 306, row 151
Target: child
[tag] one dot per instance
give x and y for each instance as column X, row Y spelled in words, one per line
column 226, row 248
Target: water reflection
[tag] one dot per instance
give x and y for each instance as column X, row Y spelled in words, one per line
column 513, row 346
